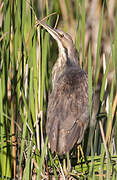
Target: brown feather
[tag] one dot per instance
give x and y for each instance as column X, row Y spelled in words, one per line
column 68, row 107
column 68, row 110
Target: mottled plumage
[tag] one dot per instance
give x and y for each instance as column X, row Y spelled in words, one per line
column 68, row 110
column 68, row 107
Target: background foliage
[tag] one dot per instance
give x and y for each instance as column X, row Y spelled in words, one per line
column 27, row 55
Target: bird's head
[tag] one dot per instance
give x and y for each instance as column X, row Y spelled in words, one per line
column 65, row 43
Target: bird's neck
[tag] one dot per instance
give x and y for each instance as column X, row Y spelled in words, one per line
column 57, row 70
column 64, row 61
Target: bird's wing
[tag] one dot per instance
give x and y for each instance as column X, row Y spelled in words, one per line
column 69, row 100
column 68, row 108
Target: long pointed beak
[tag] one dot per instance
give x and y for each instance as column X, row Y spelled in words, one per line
column 52, row 31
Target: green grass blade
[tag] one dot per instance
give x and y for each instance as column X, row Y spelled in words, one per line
column 109, row 120
column 83, row 30
column 23, row 140
column 27, row 174
column 90, row 80
column 114, row 58
column 45, row 41
column 53, row 165
column 98, row 47
column 104, row 81
column 42, row 159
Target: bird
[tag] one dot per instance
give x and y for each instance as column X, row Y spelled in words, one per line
column 68, row 104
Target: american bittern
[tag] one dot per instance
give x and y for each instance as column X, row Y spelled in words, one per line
column 68, row 107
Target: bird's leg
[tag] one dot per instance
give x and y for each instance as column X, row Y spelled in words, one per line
column 68, row 163
column 82, row 154
column 64, row 167
column 68, row 168
column 80, row 151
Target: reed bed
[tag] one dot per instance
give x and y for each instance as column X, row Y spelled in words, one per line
column 27, row 55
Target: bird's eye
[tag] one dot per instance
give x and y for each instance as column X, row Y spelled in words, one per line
column 61, row 35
